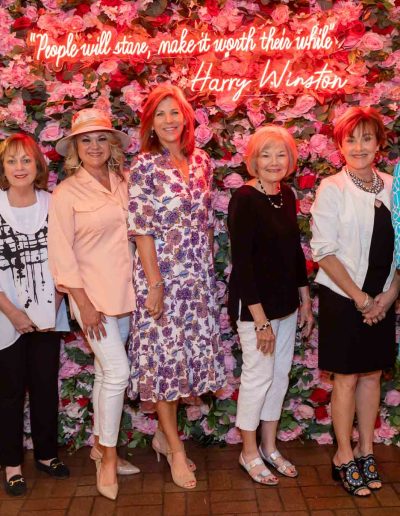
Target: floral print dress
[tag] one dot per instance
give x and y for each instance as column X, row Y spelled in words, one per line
column 179, row 354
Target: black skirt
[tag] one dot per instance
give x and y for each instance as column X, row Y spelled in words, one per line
column 346, row 344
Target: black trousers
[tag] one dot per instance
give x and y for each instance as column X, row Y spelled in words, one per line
column 32, row 363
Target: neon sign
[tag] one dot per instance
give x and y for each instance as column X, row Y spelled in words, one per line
column 275, row 51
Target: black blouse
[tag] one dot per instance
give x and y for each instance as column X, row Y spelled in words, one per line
column 268, row 264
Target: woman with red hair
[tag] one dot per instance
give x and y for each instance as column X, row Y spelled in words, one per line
column 174, row 346
column 353, row 243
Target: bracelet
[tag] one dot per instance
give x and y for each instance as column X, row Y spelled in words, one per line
column 263, row 327
column 365, row 305
column 157, row 285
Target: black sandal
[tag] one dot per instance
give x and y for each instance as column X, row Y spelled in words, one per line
column 15, row 485
column 350, row 477
column 368, row 467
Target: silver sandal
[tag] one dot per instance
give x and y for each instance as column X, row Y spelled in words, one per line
column 260, row 476
column 282, row 469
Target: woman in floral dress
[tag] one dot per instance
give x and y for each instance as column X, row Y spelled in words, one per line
column 174, row 347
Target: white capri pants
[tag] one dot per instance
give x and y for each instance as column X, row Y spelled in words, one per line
column 111, row 376
column 265, row 378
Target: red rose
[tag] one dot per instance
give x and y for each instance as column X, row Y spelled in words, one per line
column 319, row 395
column 306, row 181
column 83, row 401
column 357, row 28
column 22, row 23
column 82, row 9
column 321, row 413
column 384, row 30
column 118, row 81
column 53, row 156
column 212, row 7
column 378, row 421
column 159, row 21
column 297, row 206
column 65, row 402
column 111, row 3
column 311, row 267
column 235, row 395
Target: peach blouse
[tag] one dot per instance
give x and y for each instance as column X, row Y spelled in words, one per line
column 88, row 243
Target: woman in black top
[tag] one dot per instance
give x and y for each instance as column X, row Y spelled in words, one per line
column 267, row 281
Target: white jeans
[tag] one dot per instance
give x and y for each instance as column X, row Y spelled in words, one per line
column 111, row 377
column 265, row 378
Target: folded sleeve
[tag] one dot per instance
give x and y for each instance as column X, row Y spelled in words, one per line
column 63, row 264
column 324, row 211
column 242, row 224
column 141, row 199
column 396, row 213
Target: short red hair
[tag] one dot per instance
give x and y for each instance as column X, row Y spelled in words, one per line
column 150, row 141
column 355, row 116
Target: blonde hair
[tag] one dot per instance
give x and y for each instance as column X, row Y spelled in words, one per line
column 261, row 138
column 115, row 162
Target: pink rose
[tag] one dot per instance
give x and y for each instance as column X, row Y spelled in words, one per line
column 230, row 362
column 324, row 438
column 256, row 117
column 201, row 116
column 240, row 141
column 304, row 412
column 335, row 158
column 303, row 150
column 318, row 143
column 303, row 105
column 144, row 424
column 290, row 435
column 384, row 432
column 311, row 359
column 193, row 412
column 225, row 103
column 103, row 103
column 51, row 132
column 69, row 369
column 392, row 398
column 280, row 14
column 221, row 202
column 206, row 429
column 109, row 66
column 371, row 41
column 132, row 96
column 233, row 436
column 74, row 24
column 225, row 392
column 233, row 181
column 16, row 110
column 202, row 134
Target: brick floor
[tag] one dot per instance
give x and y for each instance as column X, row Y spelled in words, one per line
column 223, row 488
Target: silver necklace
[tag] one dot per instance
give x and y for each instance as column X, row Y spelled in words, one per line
column 272, row 203
column 376, row 186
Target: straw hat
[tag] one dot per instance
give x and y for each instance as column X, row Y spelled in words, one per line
column 87, row 120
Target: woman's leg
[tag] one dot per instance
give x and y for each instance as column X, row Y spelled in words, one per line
column 12, row 395
column 43, row 359
column 111, row 356
column 285, row 335
column 367, row 405
column 167, row 416
column 255, row 380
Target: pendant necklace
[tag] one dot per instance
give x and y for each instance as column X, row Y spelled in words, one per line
column 272, row 203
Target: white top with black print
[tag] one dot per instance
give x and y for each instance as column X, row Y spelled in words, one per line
column 24, row 274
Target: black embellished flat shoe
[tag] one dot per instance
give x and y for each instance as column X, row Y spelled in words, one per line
column 367, row 466
column 56, row 468
column 350, row 477
column 15, row 486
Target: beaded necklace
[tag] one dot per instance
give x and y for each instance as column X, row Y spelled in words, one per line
column 375, row 188
column 272, row 203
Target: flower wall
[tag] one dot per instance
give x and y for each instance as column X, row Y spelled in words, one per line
column 40, row 99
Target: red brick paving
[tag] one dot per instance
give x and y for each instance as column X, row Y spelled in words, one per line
column 222, row 488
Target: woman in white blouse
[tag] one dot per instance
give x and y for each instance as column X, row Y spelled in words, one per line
column 32, row 314
column 353, row 243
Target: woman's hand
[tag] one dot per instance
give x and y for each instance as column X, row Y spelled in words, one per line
column 266, row 341
column 381, row 305
column 155, row 302
column 92, row 321
column 21, row 321
column 306, row 318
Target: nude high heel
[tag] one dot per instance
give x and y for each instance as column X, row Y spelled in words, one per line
column 110, row 491
column 160, row 446
column 187, row 480
column 124, row 467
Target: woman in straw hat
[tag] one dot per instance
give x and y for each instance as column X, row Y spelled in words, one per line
column 90, row 259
